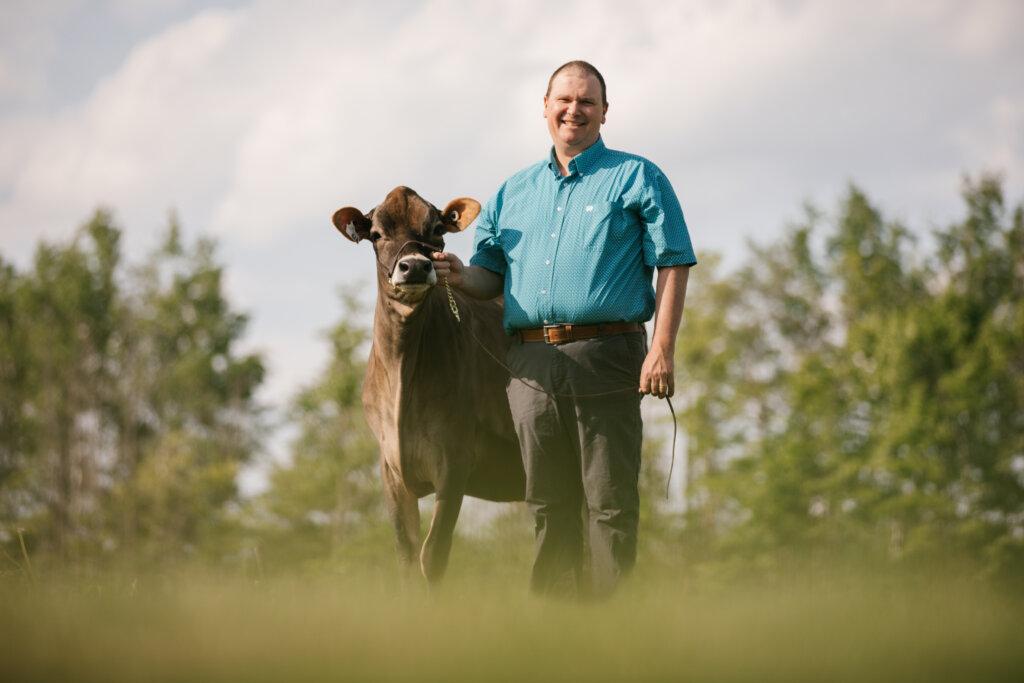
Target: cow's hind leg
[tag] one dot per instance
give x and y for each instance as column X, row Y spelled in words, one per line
column 404, row 512
column 438, row 544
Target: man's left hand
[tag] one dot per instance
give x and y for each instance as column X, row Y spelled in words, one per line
column 656, row 376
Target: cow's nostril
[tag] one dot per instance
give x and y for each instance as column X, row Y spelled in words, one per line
column 404, row 267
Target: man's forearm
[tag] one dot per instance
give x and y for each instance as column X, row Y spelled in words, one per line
column 668, row 305
column 480, row 283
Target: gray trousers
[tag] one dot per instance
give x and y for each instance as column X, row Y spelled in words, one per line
column 582, row 458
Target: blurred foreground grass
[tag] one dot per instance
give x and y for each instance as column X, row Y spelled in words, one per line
column 482, row 626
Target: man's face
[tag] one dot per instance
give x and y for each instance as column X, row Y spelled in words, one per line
column 574, row 110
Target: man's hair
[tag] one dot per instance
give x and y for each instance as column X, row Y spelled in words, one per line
column 585, row 67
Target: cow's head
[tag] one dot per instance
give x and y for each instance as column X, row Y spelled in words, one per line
column 404, row 230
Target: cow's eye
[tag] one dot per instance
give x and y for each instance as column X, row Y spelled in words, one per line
column 374, row 235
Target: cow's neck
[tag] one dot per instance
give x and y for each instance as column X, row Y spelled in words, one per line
column 401, row 329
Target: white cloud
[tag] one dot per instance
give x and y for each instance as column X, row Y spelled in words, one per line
column 27, row 42
column 154, row 134
column 257, row 122
column 140, row 12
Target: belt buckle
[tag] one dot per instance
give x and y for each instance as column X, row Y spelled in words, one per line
column 547, row 334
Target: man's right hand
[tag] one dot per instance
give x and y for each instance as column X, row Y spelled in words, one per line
column 448, row 265
column 475, row 281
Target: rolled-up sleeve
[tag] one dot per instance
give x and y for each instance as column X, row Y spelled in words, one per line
column 666, row 240
column 487, row 251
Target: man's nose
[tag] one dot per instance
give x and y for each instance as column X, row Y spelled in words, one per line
column 571, row 108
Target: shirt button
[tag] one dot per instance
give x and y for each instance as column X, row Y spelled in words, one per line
column 547, row 262
column 545, row 321
column 552, row 235
column 558, row 209
column 543, row 291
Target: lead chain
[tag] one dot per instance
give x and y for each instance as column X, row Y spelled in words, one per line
column 451, row 299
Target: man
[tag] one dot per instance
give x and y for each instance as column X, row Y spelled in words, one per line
column 571, row 242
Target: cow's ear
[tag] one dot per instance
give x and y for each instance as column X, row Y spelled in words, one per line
column 460, row 213
column 351, row 223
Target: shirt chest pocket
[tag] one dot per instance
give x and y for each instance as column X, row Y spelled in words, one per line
column 601, row 221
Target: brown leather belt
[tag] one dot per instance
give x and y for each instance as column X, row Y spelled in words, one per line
column 563, row 334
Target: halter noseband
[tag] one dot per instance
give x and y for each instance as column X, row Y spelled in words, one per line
column 424, row 247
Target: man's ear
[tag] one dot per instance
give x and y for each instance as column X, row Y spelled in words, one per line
column 460, row 213
column 351, row 223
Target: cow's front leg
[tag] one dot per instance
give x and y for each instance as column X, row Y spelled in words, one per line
column 404, row 512
column 438, row 544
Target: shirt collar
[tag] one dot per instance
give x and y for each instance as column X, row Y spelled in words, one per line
column 581, row 163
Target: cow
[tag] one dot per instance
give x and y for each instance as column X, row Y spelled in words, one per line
column 433, row 395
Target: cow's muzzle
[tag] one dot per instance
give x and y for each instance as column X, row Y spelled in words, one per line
column 414, row 269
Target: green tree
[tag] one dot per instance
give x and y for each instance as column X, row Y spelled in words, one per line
column 126, row 408
column 861, row 399
column 325, row 503
column 16, row 434
column 188, row 412
column 64, row 312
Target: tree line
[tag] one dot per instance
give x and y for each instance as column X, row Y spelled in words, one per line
column 126, row 409
column 850, row 392
column 854, row 392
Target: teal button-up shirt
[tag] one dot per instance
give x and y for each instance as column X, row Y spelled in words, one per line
column 582, row 248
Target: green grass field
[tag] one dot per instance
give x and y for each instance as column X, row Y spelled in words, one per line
column 482, row 626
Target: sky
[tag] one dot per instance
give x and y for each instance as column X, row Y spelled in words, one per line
column 254, row 121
